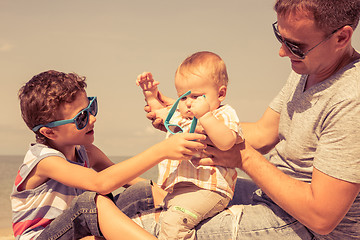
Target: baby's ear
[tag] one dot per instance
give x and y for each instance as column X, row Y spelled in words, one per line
column 47, row 132
column 222, row 93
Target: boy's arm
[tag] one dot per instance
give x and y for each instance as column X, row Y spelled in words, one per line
column 150, row 90
column 99, row 161
column 221, row 135
column 180, row 146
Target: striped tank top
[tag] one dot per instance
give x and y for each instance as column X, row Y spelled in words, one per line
column 34, row 209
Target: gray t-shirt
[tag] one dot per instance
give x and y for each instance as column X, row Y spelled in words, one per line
column 320, row 128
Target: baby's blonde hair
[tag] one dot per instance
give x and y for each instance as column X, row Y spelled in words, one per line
column 205, row 62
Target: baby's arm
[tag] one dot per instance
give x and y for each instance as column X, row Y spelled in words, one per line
column 221, row 135
column 150, row 90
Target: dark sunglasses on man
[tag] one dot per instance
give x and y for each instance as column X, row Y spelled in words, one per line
column 293, row 48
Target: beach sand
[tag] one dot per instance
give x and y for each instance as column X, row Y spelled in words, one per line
column 6, row 234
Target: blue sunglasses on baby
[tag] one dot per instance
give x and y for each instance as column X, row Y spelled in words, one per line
column 81, row 119
column 174, row 128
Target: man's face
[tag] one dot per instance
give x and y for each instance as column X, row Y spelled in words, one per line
column 301, row 31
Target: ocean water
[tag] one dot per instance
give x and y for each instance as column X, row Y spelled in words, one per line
column 9, row 166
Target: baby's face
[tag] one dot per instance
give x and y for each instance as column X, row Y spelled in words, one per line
column 199, row 86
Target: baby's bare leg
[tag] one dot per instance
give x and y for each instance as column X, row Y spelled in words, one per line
column 158, row 196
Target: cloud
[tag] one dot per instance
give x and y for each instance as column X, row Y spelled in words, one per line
column 6, row 47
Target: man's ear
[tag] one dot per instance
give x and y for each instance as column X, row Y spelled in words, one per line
column 48, row 132
column 222, row 93
column 343, row 37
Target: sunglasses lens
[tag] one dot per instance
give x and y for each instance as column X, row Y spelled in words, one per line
column 294, row 50
column 278, row 36
column 93, row 108
column 173, row 129
column 82, row 120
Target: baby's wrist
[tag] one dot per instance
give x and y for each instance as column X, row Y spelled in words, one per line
column 205, row 116
column 153, row 91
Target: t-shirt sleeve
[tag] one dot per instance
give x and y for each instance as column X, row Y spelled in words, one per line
column 278, row 102
column 338, row 150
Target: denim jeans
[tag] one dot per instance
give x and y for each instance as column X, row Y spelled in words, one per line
column 252, row 216
column 80, row 219
column 135, row 199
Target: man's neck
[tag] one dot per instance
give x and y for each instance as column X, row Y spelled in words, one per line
column 347, row 58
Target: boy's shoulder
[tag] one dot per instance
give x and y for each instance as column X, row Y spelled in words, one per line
column 38, row 149
column 41, row 151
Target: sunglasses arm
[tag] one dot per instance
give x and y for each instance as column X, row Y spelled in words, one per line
column 193, row 125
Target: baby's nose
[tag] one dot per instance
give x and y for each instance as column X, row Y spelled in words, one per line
column 188, row 102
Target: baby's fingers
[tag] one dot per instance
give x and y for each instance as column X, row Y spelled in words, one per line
column 145, row 76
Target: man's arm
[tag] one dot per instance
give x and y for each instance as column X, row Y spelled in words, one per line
column 319, row 205
column 263, row 134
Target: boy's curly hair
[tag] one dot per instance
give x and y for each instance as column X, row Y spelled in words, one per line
column 41, row 97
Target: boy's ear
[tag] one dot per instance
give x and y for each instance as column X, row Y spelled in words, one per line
column 48, row 132
column 222, row 93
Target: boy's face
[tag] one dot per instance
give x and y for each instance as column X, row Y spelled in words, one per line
column 199, row 85
column 68, row 134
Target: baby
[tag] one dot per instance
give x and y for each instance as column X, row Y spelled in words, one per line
column 195, row 192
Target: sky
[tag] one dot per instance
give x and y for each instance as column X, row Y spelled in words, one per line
column 112, row 41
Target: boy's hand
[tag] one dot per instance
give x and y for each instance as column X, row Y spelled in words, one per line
column 199, row 107
column 147, row 82
column 183, row 146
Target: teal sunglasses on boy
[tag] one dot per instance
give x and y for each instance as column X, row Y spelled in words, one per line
column 81, row 119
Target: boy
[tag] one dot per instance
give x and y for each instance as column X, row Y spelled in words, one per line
column 196, row 192
column 56, row 194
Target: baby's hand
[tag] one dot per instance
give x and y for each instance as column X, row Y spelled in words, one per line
column 199, row 107
column 147, row 82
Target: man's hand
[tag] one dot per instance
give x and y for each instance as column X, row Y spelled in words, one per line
column 151, row 115
column 230, row 158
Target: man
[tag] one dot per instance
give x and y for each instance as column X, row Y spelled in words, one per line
column 310, row 184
